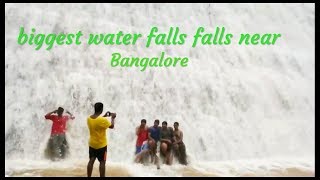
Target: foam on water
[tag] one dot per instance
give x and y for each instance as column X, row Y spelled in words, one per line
column 261, row 167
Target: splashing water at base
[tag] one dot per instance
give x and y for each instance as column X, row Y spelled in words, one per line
column 289, row 168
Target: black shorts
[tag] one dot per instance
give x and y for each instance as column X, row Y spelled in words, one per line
column 101, row 153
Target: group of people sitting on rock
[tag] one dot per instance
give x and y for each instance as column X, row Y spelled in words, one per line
column 165, row 141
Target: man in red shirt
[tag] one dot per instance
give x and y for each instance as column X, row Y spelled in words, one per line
column 57, row 145
column 142, row 133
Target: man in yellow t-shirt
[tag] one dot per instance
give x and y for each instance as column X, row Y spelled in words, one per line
column 98, row 139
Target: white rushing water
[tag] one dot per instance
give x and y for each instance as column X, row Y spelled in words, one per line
column 233, row 102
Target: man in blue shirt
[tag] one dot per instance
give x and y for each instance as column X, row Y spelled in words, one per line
column 154, row 136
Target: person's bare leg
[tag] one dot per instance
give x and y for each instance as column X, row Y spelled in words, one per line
column 163, row 149
column 170, row 157
column 183, row 155
column 90, row 166
column 157, row 161
column 102, row 168
column 152, row 157
column 176, row 150
column 138, row 158
column 169, row 154
column 152, row 147
column 153, row 153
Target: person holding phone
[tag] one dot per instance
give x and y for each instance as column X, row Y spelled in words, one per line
column 98, row 141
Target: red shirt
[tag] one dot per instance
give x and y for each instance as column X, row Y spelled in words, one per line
column 142, row 136
column 59, row 123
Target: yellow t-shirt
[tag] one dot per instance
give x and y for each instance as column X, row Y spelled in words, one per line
column 98, row 128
